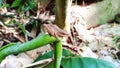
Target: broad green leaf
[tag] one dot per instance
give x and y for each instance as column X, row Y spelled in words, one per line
column 86, row 62
column 16, row 3
column 65, row 53
column 83, row 62
column 47, row 55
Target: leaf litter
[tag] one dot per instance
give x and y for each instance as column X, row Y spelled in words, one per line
column 96, row 42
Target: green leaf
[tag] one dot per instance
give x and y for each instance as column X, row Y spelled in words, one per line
column 83, row 62
column 31, row 4
column 21, row 26
column 0, row 3
column 26, row 8
column 16, row 3
column 21, row 6
column 47, row 55
column 115, row 39
column 65, row 53
column 5, row 5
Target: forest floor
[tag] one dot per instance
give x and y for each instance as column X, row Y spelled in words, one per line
column 102, row 41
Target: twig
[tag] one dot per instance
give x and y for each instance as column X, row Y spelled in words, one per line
column 39, row 62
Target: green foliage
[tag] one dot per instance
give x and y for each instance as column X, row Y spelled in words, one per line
column 20, row 5
column 45, row 56
column 21, row 26
column 70, row 60
column 57, row 53
column 83, row 62
column 7, row 46
column 65, row 53
column 18, row 48
column 29, row 6
column 35, row 22
column 0, row 3
column 50, row 54
column 26, row 8
column 16, row 3
column 35, row 43
column 115, row 39
column 117, row 19
column 5, row 5
column 118, row 46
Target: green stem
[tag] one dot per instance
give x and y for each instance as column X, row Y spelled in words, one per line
column 57, row 54
column 18, row 48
